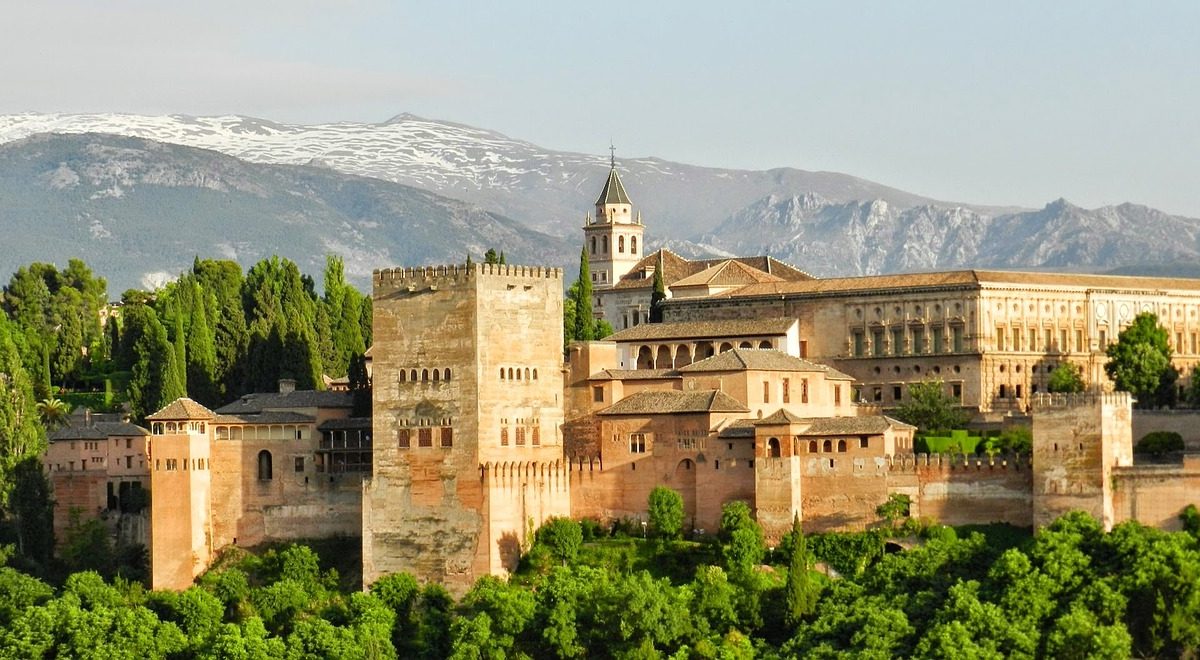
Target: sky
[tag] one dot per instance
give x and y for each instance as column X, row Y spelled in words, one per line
column 1005, row 103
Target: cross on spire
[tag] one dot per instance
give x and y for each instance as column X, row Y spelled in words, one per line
column 612, row 155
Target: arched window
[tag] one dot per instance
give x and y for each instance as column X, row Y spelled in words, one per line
column 526, row 373
column 764, row 344
column 510, row 373
column 841, row 445
column 413, row 375
column 403, row 375
column 725, row 346
column 773, row 447
column 501, row 373
column 446, row 374
column 437, row 375
column 746, row 344
column 593, row 245
column 264, row 465
column 604, row 244
column 812, row 446
column 633, row 245
column 424, row 375
column 827, row 445
column 621, row 244
column 518, row 373
column 535, row 374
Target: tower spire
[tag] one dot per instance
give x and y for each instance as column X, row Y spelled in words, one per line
column 612, row 155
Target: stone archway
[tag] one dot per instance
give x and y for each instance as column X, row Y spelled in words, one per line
column 645, row 358
column 663, row 359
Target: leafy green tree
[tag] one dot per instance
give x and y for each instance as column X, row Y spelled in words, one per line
column 54, row 413
column 1066, row 377
column 801, row 592
column 32, row 504
column 1159, row 443
column 491, row 257
column 928, row 407
column 735, row 515
column 660, row 293
column 563, row 537
column 87, row 545
column 21, row 436
column 1140, row 358
column 895, row 508
column 666, row 513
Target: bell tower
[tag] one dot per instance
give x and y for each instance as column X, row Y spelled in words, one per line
column 613, row 238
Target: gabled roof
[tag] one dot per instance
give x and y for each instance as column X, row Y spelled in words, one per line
column 259, row 402
column 347, row 423
column 667, row 402
column 759, row 359
column 705, row 329
column 614, row 191
column 781, row 416
column 728, row 273
column 634, row 374
column 676, row 268
column 273, row 417
column 182, row 408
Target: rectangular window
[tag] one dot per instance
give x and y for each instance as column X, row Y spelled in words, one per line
column 766, row 392
column 299, row 463
column 877, row 343
column 863, row 443
column 520, row 435
column 1179, row 342
column 129, row 443
column 1193, row 351
column 858, row 343
column 897, row 341
column 918, row 339
column 425, row 437
column 447, row 436
column 128, row 461
column 1000, row 335
column 939, row 340
column 1079, row 341
column 1103, row 339
column 957, row 390
column 1063, row 347
column 958, row 339
column 1016, row 339
column 1018, row 390
column 405, row 439
column 598, row 394
column 637, row 443
column 897, row 393
column 537, row 436
column 804, row 348
column 837, row 395
column 1049, row 340
column 803, row 390
column 877, row 394
column 787, row 391
column 504, row 437
column 1033, row 336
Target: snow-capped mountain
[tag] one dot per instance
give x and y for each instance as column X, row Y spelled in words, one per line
column 545, row 189
column 869, row 237
column 138, row 211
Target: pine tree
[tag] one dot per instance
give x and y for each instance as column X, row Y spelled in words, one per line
column 801, row 592
column 490, row 257
column 585, row 322
column 660, row 292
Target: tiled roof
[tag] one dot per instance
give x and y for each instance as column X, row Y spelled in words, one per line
column 728, row 273
column 258, row 402
column 182, row 408
column 780, row 416
column 270, row 417
column 674, row 401
column 634, row 374
column 705, row 329
column 759, row 359
column 345, row 423
column 69, row 432
column 614, row 191
column 870, row 424
column 961, row 278
column 80, row 428
column 121, row 428
column 741, row 428
column 676, row 268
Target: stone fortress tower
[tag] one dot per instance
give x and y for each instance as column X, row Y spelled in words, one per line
column 468, row 386
column 613, row 239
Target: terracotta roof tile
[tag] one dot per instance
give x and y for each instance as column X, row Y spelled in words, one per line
column 673, row 402
column 705, row 329
column 676, row 268
column 759, row 359
column 182, row 408
column 261, row 401
column 728, row 273
column 635, row 374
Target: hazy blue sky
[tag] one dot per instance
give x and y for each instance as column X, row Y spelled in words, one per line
column 1000, row 102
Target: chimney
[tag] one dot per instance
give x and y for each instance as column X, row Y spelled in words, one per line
column 287, row 385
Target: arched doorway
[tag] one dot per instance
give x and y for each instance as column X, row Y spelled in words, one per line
column 645, row 358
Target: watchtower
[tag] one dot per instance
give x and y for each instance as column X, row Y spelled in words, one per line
column 467, row 373
column 614, row 237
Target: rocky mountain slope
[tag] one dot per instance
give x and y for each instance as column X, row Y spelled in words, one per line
column 546, row 189
column 138, row 211
column 868, row 237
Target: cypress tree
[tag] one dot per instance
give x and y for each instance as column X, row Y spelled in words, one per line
column 201, row 372
column 152, row 378
column 502, row 261
column 585, row 322
column 180, row 350
column 801, row 591
column 660, row 292
column 21, row 435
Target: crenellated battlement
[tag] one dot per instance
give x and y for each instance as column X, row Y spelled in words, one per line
column 1061, row 400
column 913, row 463
column 457, row 274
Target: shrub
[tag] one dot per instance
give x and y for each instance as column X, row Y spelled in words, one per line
column 666, row 512
column 1158, row 443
